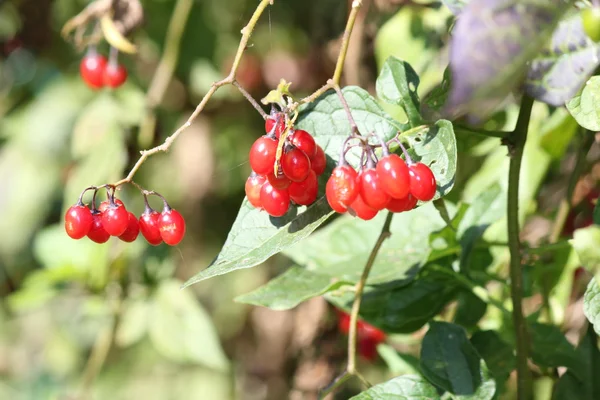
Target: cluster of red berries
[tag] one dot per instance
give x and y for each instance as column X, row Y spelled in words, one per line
column 97, row 72
column 111, row 218
column 389, row 183
column 368, row 336
column 274, row 184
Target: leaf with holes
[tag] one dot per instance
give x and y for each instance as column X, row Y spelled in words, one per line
column 405, row 387
column 585, row 107
column 591, row 304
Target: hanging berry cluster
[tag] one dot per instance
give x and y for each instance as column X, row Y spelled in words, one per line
column 111, row 218
column 97, row 72
column 274, row 184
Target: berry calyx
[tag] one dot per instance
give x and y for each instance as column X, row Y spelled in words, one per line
column 171, row 226
column 149, row 226
column 393, row 175
column 253, row 185
column 401, row 205
column 304, row 141
column 97, row 232
column 342, row 189
column 281, row 181
column 422, row 181
column 371, row 189
column 362, row 210
column 270, row 124
column 104, row 205
column 115, row 219
column 78, row 221
column 295, row 164
column 305, row 192
column 318, row 162
column 133, row 229
column 92, row 68
column 262, row 155
column 114, row 75
column 275, row 202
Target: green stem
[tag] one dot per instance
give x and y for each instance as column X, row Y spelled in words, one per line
column 516, row 146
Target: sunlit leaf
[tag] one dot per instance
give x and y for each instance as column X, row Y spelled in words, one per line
column 585, row 107
column 405, row 387
column 397, row 84
column 591, row 304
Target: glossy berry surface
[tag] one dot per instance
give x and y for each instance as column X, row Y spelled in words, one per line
column 342, row 188
column 171, row 226
column 97, row 232
column 281, row 181
column 305, row 192
column 275, row 202
column 92, row 68
column 149, row 227
column 422, row 182
column 371, row 189
column 295, row 164
column 270, row 124
column 393, row 176
column 590, row 17
column 104, row 205
column 114, row 75
column 305, row 142
column 115, row 219
column 78, row 221
column 318, row 162
column 262, row 155
column 253, row 185
column 362, row 210
column 133, row 229
column 401, row 205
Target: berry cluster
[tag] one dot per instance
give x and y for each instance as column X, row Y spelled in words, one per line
column 111, row 218
column 274, row 184
column 368, row 336
column 389, row 183
column 97, row 72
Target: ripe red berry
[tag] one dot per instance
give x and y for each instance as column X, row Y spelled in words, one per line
column 275, row 202
column 305, row 142
column 422, row 181
column 133, row 229
column 393, row 175
column 279, row 182
column 253, row 185
column 295, row 164
column 115, row 219
column 401, row 205
column 171, row 226
column 367, row 348
column 371, row 189
column 114, row 75
column 305, row 192
column 78, row 221
column 343, row 322
column 342, row 188
column 367, row 330
column 92, row 68
column 362, row 210
column 104, row 205
column 262, row 155
column 149, row 227
column 97, row 232
column 270, row 123
column 318, row 162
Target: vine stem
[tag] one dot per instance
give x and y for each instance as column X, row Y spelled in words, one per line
column 516, row 142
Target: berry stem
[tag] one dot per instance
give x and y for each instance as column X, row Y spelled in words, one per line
column 251, row 100
column 353, row 126
column 80, row 200
column 339, row 66
column 409, row 160
column 113, row 56
column 166, row 206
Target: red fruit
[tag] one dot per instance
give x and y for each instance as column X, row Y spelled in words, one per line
column 401, row 205
column 115, row 219
column 104, row 205
column 371, row 189
column 368, row 331
column 422, row 181
column 344, row 322
column 341, row 189
column 305, row 142
column 362, row 210
column 253, row 185
column 275, row 202
column 133, row 229
column 114, row 75
column 270, row 123
column 78, row 221
column 295, row 164
column 367, row 349
column 393, row 175
column 318, row 162
column 305, row 192
column 279, row 182
column 97, row 232
column 92, row 68
column 149, row 227
column 171, row 226
column 262, row 155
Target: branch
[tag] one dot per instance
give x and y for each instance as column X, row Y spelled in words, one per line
column 353, row 126
column 339, row 66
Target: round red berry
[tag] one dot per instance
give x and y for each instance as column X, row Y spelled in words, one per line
column 114, row 75
column 393, row 175
column 171, row 226
column 422, row 181
column 305, row 142
column 97, row 232
column 367, row 348
column 92, row 68
column 253, row 185
column 262, row 155
column 115, row 219
column 362, row 210
column 371, row 189
column 133, row 229
column 149, row 227
column 295, row 164
column 305, row 192
column 367, row 330
column 78, row 221
column 318, row 162
column 401, row 205
column 275, row 202
column 281, row 181
column 270, row 124
column 342, row 188
column 343, row 322
column 104, row 205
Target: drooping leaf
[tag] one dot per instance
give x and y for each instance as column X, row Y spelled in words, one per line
column 397, row 84
column 585, row 107
column 591, row 304
column 498, row 355
column 405, row 387
column 551, row 349
column 585, row 242
column 558, row 73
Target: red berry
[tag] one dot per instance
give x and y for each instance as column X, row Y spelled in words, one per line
column 371, row 189
column 318, row 162
column 279, row 182
column 149, row 227
column 305, row 192
column 368, row 331
column 133, row 229
column 362, row 210
column 104, row 205
column 92, row 68
column 171, row 226
column 401, row 205
column 393, row 175
column 270, row 123
column 97, row 232
column 422, row 182
column 367, row 348
column 341, row 188
column 295, row 164
column 78, row 221
column 115, row 219
column 253, row 185
column 262, row 155
column 115, row 75
column 276, row 202
column 344, row 322
column 305, row 142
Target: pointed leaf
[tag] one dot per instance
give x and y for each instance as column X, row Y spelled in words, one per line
column 585, row 107
column 497, row 354
column 405, row 387
column 550, row 348
column 397, row 84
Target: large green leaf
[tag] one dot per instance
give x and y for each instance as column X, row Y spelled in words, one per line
column 550, row 348
column 397, row 84
column 585, row 107
column 485, row 391
column 591, row 304
column 498, row 355
column 405, row 387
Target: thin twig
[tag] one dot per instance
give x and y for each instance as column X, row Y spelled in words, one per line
column 339, row 66
column 251, row 100
column 351, row 120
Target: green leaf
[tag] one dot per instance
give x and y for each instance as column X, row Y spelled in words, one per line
column 291, row 288
column 591, row 304
column 551, row 349
column 449, row 360
column 469, row 309
column 585, row 242
column 585, row 107
column 497, row 354
column 405, row 387
column 398, row 363
column 485, row 391
column 133, row 323
column 437, row 97
column 397, row 84
column 557, row 133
